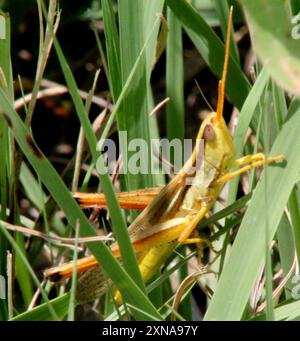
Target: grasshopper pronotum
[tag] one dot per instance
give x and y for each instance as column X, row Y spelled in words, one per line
column 171, row 213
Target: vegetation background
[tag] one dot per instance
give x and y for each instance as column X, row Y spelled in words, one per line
column 144, row 59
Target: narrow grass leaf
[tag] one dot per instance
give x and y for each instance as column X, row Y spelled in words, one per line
column 152, row 9
column 174, row 80
column 222, row 10
column 25, row 264
column 293, row 204
column 286, row 248
column 245, row 118
column 133, row 119
column 72, row 301
column 288, row 311
column 41, row 312
column 32, row 187
column 5, row 146
column 112, row 48
column 211, row 49
column 274, row 41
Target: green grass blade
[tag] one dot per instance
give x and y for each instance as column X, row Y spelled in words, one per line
column 286, row 247
column 288, row 311
column 273, row 41
column 222, row 10
column 5, row 56
column 245, row 118
column 31, row 186
column 151, row 10
column 5, row 146
column 211, row 49
column 247, row 115
column 41, row 312
column 174, row 80
column 280, row 106
column 133, row 117
column 128, row 85
column 24, row 263
column 295, row 217
column 295, row 7
column 237, row 205
column 247, row 254
column 268, row 261
column 112, row 48
column 72, row 302
column 22, row 273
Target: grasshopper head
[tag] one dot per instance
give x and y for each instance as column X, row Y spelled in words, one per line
column 219, row 150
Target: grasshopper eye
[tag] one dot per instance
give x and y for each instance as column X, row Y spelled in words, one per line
column 209, row 133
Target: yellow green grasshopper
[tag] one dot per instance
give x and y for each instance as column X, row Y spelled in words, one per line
column 170, row 213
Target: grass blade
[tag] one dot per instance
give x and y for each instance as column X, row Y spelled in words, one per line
column 24, row 262
column 41, row 312
column 206, row 41
column 288, row 311
column 246, row 115
column 222, row 9
column 280, row 55
column 174, row 81
column 286, row 246
column 112, row 48
column 133, row 117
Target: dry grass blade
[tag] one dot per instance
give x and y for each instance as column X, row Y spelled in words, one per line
column 10, row 277
column 39, row 234
column 186, row 283
column 159, row 106
column 280, row 286
column 54, row 89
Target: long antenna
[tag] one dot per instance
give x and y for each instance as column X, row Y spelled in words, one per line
column 221, row 86
column 203, row 96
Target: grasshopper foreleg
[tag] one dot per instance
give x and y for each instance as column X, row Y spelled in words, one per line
column 248, row 159
column 194, row 222
column 257, row 160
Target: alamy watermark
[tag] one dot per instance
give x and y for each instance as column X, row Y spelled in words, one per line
column 296, row 288
column 295, row 33
column 2, row 27
column 2, row 288
column 140, row 158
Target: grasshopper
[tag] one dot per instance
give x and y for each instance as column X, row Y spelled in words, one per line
column 171, row 213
